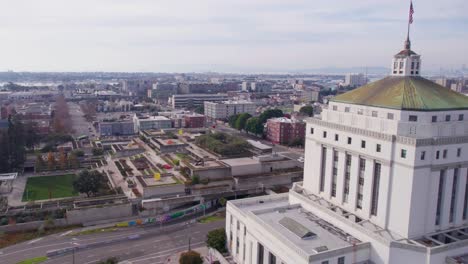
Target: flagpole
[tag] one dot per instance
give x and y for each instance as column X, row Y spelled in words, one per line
column 409, row 21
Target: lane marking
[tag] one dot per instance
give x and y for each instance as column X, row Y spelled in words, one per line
column 158, row 254
column 34, row 241
column 66, row 233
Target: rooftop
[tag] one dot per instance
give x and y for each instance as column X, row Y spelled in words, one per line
column 405, row 93
column 290, row 222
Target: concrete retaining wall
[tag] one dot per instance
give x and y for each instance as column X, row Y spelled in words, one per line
column 164, row 190
column 88, row 214
column 30, row 226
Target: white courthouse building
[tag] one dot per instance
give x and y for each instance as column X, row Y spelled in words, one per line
column 385, row 181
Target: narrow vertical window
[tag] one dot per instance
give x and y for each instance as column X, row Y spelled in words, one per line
column 453, row 199
column 362, row 169
column 322, row 170
column 403, row 153
column 375, row 188
column 423, row 155
column 363, row 144
column 465, row 206
column 458, row 152
column 378, row 148
column 260, row 254
column 335, row 173
column 347, row 178
column 440, row 194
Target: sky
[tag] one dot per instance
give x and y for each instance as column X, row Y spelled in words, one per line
column 226, row 35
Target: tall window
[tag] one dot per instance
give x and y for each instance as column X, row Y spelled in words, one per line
column 322, row 169
column 375, row 189
column 272, row 259
column 341, row 260
column 453, row 199
column 434, row 119
column 347, row 178
column 260, row 254
column 335, row 173
column 423, row 155
column 440, row 194
column 460, row 117
column 458, row 152
column 465, row 206
column 362, row 169
column 378, row 148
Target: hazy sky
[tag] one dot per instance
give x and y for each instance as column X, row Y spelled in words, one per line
column 226, row 35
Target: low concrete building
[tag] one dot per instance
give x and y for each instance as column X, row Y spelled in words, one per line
column 168, row 145
column 116, row 128
column 259, row 164
column 151, row 122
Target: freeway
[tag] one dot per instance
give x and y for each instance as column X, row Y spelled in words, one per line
column 154, row 245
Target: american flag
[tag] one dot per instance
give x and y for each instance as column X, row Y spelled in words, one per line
column 411, row 12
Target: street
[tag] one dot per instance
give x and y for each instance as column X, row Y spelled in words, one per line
column 155, row 246
column 79, row 123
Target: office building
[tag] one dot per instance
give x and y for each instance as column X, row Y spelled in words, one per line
column 355, row 80
column 226, row 109
column 194, row 100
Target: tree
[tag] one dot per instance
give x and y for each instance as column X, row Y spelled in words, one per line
column 63, row 160
column 112, row 260
column 97, row 151
column 31, row 136
column 254, row 126
column 89, row 182
column 241, row 120
column 307, row 110
column 73, row 161
column 232, row 120
column 190, row 257
column 51, row 164
column 200, row 109
column 40, row 163
column 270, row 113
column 217, row 239
column 222, row 201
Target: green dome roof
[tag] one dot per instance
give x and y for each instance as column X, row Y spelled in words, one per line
column 405, row 93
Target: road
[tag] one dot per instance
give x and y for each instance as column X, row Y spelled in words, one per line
column 155, row 246
column 79, row 123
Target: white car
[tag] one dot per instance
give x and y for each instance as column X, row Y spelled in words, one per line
column 300, row 159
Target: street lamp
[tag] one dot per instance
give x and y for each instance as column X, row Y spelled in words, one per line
column 74, row 249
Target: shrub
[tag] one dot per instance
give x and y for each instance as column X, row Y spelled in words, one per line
column 195, row 179
column 217, row 239
column 190, row 257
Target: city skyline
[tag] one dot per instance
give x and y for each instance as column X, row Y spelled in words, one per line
column 231, row 36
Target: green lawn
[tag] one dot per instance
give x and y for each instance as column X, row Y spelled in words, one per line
column 210, row 218
column 38, row 188
column 33, row 260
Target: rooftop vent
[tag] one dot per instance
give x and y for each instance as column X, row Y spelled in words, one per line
column 321, row 249
column 298, row 229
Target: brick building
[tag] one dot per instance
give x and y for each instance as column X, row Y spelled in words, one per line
column 284, row 130
column 194, row 121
